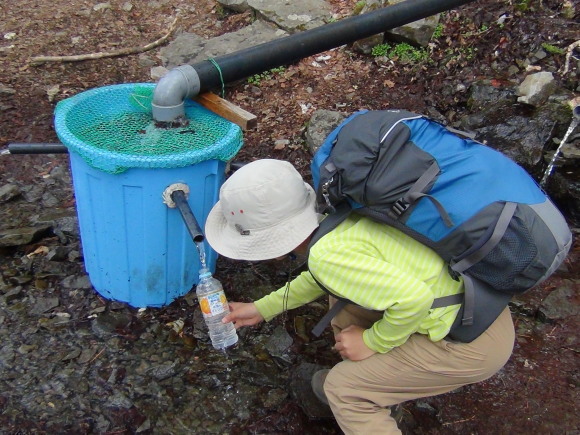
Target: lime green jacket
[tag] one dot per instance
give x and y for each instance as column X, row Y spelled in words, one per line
column 379, row 268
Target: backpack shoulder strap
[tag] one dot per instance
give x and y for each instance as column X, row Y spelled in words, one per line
column 330, row 222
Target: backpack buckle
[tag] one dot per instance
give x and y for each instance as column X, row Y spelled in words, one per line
column 326, row 195
column 400, row 206
column 453, row 273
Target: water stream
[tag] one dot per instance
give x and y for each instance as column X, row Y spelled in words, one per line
column 550, row 167
column 201, row 250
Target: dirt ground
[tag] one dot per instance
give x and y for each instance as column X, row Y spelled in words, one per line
column 538, row 389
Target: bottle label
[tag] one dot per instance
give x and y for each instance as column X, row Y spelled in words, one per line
column 213, row 304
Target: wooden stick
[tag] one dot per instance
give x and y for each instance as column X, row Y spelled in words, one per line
column 227, row 110
column 90, row 56
column 571, row 48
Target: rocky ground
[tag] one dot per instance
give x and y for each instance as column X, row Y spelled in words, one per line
column 73, row 362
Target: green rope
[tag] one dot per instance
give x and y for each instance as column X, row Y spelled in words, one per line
column 214, row 63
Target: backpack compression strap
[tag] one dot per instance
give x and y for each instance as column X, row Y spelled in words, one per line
column 461, row 266
column 416, row 192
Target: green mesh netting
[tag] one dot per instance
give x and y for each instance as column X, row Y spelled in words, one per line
column 111, row 128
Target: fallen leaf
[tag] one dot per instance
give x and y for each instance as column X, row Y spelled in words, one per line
column 40, row 250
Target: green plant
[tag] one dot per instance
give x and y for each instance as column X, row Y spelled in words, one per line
column 220, row 12
column 438, row 32
column 523, row 5
column 256, row 79
column 552, row 49
column 406, row 52
column 358, row 7
column 403, row 52
column 468, row 52
column 380, row 50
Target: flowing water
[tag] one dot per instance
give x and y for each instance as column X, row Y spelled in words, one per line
column 550, row 167
column 201, row 249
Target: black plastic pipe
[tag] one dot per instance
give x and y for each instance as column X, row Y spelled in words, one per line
column 37, row 148
column 180, row 201
column 284, row 51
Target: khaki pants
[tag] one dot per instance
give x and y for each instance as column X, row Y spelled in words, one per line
column 360, row 392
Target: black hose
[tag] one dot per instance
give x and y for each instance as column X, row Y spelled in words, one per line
column 190, row 222
column 37, row 148
column 284, row 51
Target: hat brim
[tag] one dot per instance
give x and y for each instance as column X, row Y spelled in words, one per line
column 263, row 244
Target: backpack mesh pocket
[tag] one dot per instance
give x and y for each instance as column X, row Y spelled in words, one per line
column 509, row 266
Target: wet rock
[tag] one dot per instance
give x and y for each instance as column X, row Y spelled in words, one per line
column 513, row 130
column 274, row 398
column 9, row 192
column 59, row 253
column 69, row 225
column 53, row 324
column 43, row 305
column 301, row 388
column 119, row 400
column 247, row 280
column 27, row 348
column 77, row 282
column 262, row 374
column 199, row 325
column 107, row 324
column 87, row 355
column 7, row 355
column 425, row 406
column 561, row 303
column 22, row 236
column 13, row 294
column 278, row 343
column 536, row 88
column 571, row 153
column 484, row 92
column 49, row 200
column 566, row 190
column 522, row 306
column 145, row 426
column 115, row 305
column 163, row 371
column 73, row 354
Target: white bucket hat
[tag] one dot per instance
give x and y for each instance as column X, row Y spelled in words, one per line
column 265, row 210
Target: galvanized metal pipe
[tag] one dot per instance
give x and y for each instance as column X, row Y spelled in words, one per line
column 188, row 217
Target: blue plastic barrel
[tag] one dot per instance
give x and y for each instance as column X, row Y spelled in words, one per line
column 137, row 249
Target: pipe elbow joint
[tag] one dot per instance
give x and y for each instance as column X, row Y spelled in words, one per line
column 171, row 91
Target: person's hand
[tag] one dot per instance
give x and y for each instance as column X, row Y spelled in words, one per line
column 243, row 314
column 350, row 344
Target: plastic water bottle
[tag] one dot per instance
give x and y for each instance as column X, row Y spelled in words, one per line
column 214, row 307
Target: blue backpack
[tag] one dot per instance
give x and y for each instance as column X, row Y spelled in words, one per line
column 480, row 211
